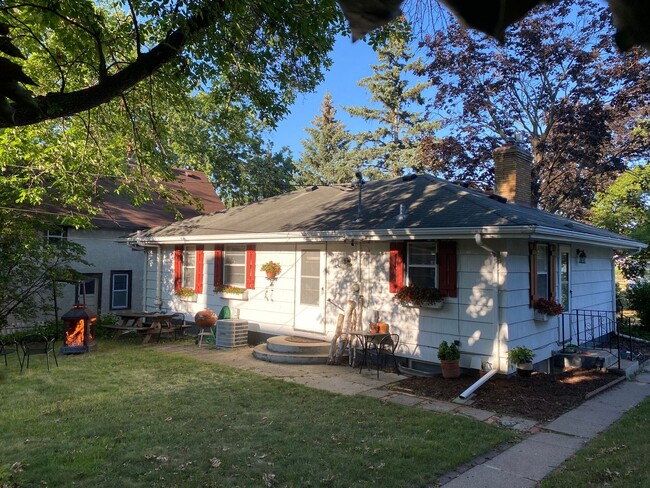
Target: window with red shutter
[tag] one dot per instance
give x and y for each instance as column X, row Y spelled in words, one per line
column 396, row 266
column 198, row 280
column 178, row 267
column 218, row 265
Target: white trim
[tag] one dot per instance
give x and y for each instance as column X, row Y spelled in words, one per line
column 492, row 232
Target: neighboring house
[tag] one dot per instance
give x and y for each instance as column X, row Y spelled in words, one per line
column 115, row 276
column 490, row 257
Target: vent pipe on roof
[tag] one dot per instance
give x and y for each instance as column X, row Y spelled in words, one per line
column 402, row 213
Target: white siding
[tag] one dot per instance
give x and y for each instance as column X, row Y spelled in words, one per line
column 472, row 317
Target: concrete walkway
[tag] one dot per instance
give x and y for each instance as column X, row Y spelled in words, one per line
column 522, row 465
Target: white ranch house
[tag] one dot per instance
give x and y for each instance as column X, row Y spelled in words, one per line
column 491, row 257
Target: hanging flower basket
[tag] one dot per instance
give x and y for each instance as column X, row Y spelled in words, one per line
column 271, row 269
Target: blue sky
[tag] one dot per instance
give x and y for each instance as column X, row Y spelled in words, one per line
column 351, row 62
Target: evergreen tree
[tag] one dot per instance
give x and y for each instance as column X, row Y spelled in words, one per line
column 394, row 144
column 326, row 159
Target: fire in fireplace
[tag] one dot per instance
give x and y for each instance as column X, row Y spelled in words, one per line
column 79, row 328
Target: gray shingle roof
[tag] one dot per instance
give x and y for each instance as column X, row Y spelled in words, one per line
column 430, row 204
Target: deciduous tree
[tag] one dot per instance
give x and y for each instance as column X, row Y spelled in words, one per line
column 560, row 81
column 624, row 208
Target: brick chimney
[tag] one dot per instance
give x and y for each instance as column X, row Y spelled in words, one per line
column 512, row 172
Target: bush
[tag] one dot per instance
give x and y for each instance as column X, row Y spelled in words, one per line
column 448, row 352
column 638, row 296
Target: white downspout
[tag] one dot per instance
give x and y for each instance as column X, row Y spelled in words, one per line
column 478, row 238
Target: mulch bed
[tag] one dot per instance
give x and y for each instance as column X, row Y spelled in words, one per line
column 542, row 397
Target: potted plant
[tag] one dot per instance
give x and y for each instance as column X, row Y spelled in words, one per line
column 419, row 296
column 271, row 269
column 545, row 308
column 232, row 292
column 449, row 356
column 522, row 358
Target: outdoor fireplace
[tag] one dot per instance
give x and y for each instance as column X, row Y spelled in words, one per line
column 79, row 328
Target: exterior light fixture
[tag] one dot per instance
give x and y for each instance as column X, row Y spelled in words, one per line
column 582, row 256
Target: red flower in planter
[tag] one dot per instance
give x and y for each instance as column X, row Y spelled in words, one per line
column 549, row 307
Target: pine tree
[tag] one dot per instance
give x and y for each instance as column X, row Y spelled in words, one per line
column 325, row 159
column 394, row 144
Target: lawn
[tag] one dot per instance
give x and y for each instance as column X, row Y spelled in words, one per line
column 131, row 416
column 616, row 458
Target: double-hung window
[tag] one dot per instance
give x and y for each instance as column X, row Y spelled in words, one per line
column 543, row 271
column 189, row 267
column 120, row 290
column 422, row 267
column 234, row 266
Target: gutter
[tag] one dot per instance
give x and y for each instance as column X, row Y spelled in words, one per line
column 494, row 232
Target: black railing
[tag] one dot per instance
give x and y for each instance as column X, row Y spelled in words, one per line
column 592, row 329
column 631, row 349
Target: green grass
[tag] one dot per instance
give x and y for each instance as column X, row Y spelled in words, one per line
column 616, row 458
column 131, row 416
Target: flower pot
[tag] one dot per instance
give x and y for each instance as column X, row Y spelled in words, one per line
column 271, row 275
column 205, row 319
column 525, row 370
column 374, row 328
column 234, row 296
column 450, row 368
column 382, row 328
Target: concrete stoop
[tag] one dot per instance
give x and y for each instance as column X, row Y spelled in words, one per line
column 592, row 359
column 282, row 349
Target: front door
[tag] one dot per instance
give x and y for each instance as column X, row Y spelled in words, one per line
column 310, row 289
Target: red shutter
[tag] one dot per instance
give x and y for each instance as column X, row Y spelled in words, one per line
column 396, row 267
column 178, row 267
column 447, row 265
column 218, row 265
column 250, row 266
column 198, row 280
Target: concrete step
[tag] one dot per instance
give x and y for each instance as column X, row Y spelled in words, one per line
column 628, row 368
column 263, row 353
column 592, row 359
column 290, row 345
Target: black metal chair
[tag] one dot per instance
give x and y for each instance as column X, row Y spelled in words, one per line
column 175, row 325
column 7, row 348
column 382, row 346
column 37, row 344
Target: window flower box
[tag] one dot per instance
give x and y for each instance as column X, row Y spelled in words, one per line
column 232, row 292
column 544, row 309
column 186, row 294
column 540, row 316
column 420, row 297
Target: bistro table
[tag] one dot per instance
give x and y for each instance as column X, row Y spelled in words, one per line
column 132, row 322
column 378, row 341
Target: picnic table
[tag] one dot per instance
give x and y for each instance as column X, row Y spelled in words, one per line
column 133, row 323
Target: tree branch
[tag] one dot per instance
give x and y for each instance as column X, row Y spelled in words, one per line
column 55, row 105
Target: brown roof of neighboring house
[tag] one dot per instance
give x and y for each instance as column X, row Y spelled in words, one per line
column 119, row 213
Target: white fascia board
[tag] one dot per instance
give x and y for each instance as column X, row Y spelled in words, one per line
column 490, row 232
column 549, row 233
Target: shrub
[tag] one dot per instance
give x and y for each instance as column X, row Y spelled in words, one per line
column 448, row 352
column 638, row 297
